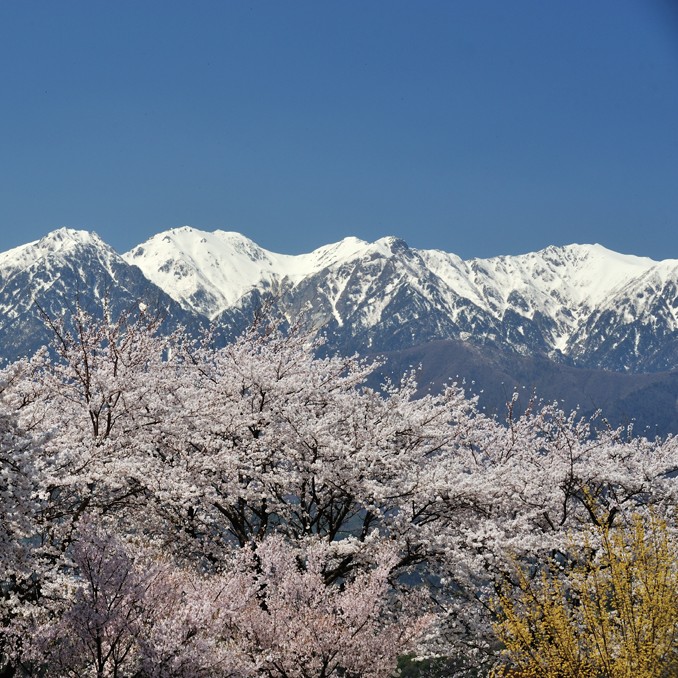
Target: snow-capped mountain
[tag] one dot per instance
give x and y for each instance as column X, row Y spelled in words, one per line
column 547, row 320
column 635, row 325
column 579, row 304
column 562, row 283
column 210, row 272
column 68, row 267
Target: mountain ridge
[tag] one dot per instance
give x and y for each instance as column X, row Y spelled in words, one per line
column 582, row 305
column 62, row 270
column 578, row 323
column 538, row 301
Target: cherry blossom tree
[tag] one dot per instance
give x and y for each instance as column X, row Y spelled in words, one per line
column 282, row 440
column 97, row 402
column 528, row 491
column 18, row 486
column 296, row 626
column 270, row 614
column 201, row 471
column 17, row 472
column 119, row 612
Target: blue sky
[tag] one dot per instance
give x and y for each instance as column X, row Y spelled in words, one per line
column 480, row 127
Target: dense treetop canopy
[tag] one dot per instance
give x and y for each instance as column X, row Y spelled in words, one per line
column 172, row 508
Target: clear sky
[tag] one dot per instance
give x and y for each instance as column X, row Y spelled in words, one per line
column 480, row 127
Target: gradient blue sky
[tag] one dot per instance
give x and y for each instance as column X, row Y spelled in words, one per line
column 480, row 127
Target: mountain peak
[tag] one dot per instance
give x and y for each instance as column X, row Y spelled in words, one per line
column 393, row 244
column 596, row 250
column 66, row 237
column 203, row 271
column 209, row 272
column 62, row 241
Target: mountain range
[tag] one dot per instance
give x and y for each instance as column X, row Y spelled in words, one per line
column 560, row 317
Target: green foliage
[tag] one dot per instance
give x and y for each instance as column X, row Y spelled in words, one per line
column 411, row 666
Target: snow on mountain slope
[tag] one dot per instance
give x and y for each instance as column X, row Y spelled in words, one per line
column 55, row 246
column 540, row 299
column 578, row 275
column 562, row 283
column 203, row 271
column 636, row 322
column 360, row 291
column 64, row 269
column 30, row 270
column 579, row 303
column 209, row 272
column 639, row 298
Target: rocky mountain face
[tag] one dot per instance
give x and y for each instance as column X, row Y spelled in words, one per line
column 66, row 268
column 578, row 306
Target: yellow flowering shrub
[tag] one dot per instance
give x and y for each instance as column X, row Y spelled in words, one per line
column 613, row 614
